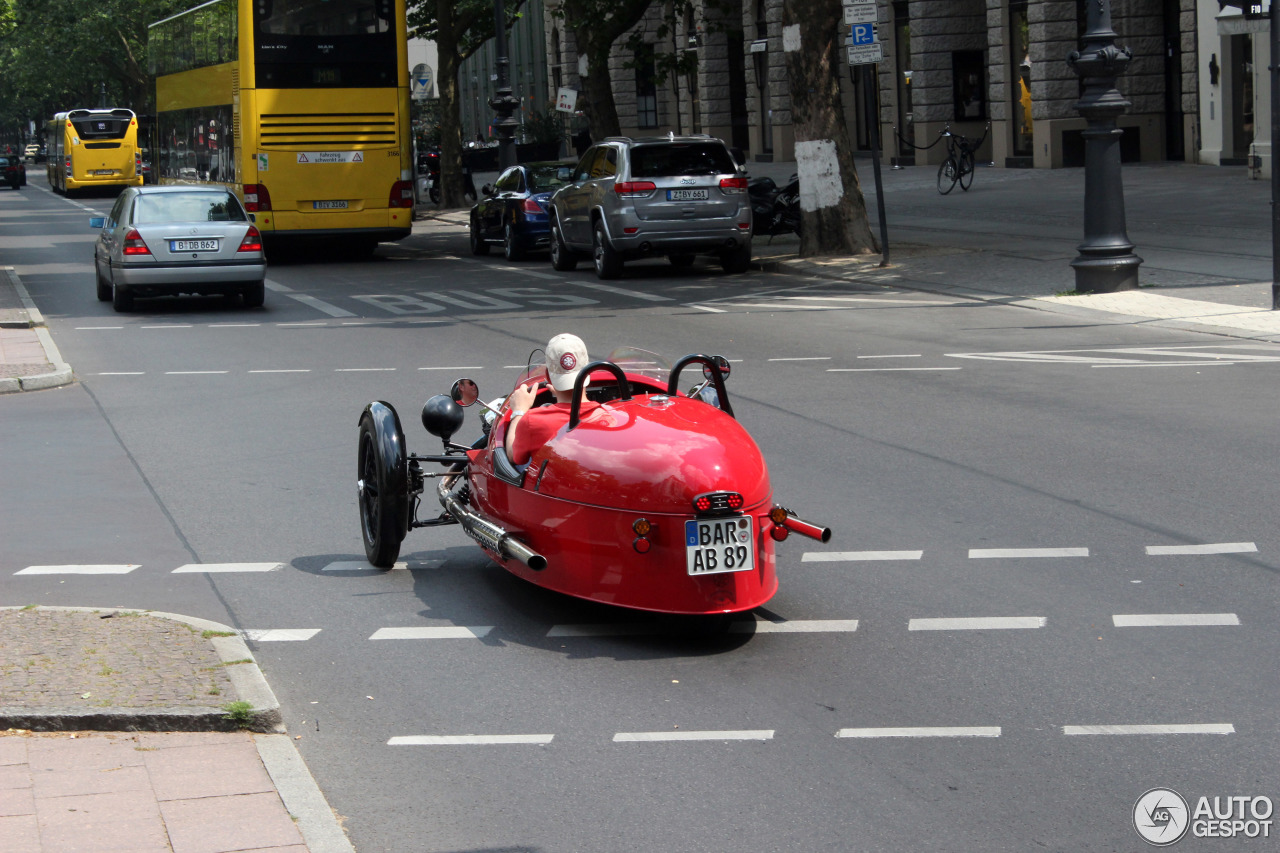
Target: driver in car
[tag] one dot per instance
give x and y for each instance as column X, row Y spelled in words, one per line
column 531, row 427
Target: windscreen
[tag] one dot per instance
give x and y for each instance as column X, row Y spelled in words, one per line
column 324, row 43
column 101, row 125
column 695, row 158
column 156, row 208
column 543, row 178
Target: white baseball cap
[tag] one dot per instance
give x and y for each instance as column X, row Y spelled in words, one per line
column 566, row 356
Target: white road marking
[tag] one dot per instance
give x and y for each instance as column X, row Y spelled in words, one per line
column 884, row 369
column 1164, row 620
column 650, row 737
column 782, row 306
column 856, row 556
column 444, row 632
column 1171, row 364
column 976, row 623
column 321, row 305
column 923, row 731
column 300, row 325
column 169, row 326
column 904, row 355
column 1216, row 548
column 280, row 635
column 467, row 367
column 796, row 626
column 1019, row 553
column 468, row 740
column 221, row 568
column 708, row 309
column 195, row 372
column 363, row 369
column 78, row 570
column 527, row 272
column 872, row 299
column 277, row 286
column 365, row 566
column 282, row 370
column 234, row 325
column 1183, row 729
column 622, row 291
column 805, row 358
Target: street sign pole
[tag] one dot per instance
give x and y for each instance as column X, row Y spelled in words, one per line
column 865, row 50
column 873, row 124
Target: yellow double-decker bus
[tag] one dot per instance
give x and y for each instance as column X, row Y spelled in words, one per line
column 301, row 107
column 93, row 149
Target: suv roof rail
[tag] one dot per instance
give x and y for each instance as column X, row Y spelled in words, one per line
column 616, row 139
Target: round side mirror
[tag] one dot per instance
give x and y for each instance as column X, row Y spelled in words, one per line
column 441, row 416
column 465, row 392
column 722, row 364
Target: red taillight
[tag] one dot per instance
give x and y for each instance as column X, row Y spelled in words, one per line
column 252, row 241
column 702, row 503
column 137, row 162
column 401, row 194
column 641, row 545
column 133, row 243
column 718, row 503
column 68, row 167
column 531, row 206
column 256, row 198
column 733, row 185
column 734, row 500
column 779, row 533
column 632, row 189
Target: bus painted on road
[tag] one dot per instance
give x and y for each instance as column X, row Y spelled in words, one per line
column 300, row 107
column 93, row 149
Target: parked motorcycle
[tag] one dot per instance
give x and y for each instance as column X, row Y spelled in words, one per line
column 774, row 209
column 429, row 163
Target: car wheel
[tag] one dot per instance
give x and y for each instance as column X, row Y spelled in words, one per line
column 478, row 245
column 562, row 258
column 255, row 294
column 736, row 260
column 681, row 261
column 608, row 262
column 511, row 247
column 121, row 298
column 377, row 499
column 104, row 286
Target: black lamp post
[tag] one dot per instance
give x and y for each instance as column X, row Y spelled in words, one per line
column 1106, row 262
column 504, row 103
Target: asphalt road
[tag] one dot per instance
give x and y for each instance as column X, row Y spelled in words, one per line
column 1008, row 490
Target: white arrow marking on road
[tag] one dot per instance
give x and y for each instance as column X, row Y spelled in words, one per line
column 1167, row 620
column 1184, row 729
column 648, row 737
column 923, row 731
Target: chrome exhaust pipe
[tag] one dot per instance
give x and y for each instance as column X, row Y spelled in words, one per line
column 804, row 528
column 488, row 534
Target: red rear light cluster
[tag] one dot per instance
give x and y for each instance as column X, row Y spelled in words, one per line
column 642, row 527
column 256, row 198
column 133, row 243
column 717, row 503
column 401, row 194
column 252, row 241
column 634, row 189
column 531, row 206
column 733, row 185
column 137, row 162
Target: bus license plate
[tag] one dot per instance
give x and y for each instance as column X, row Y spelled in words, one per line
column 328, row 205
column 686, row 195
column 193, row 245
column 718, row 545
column 104, row 173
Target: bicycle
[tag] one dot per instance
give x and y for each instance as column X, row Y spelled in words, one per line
column 959, row 165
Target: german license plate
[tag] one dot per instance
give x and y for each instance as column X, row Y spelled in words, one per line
column 193, row 245
column 718, row 545
column 104, row 173
column 328, row 205
column 686, row 195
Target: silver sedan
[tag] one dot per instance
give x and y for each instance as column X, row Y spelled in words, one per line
column 178, row 239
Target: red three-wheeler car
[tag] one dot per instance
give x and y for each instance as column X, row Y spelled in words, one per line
column 656, row 500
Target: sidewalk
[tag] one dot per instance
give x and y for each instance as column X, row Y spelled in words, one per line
column 29, row 359
column 186, row 753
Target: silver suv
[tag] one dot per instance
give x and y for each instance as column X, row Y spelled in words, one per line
column 678, row 196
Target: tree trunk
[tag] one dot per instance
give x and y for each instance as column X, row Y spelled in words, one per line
column 601, row 112
column 448, row 60
column 833, row 210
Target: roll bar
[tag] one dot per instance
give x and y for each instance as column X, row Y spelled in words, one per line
column 673, row 385
column 578, row 384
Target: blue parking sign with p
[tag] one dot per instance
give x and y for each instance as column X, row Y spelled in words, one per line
column 864, row 34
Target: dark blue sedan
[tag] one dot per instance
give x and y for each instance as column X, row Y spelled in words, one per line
column 514, row 209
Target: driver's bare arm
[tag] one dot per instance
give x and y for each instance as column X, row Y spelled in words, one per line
column 520, row 401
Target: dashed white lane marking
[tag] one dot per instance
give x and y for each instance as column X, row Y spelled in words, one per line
column 468, row 740
column 280, row 635
column 857, row 556
column 708, row 309
column 804, row 358
column 904, row 355
column 922, row 731
column 79, row 570
column 195, row 372
column 168, row 326
column 798, row 626
column 887, row 369
column 1218, row 548
column 1171, row 364
column 1175, row 729
column 282, row 370
column 234, row 325
column 445, row 632
column 650, row 737
column 197, row 568
column 527, row 272
column 364, row 370
column 976, row 623
column 316, row 325
column 1019, row 553
column 622, row 291
column 1165, row 620
column 366, row 566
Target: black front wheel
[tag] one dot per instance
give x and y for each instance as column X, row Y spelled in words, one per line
column 381, row 491
column 966, row 171
column 562, row 258
column 947, row 175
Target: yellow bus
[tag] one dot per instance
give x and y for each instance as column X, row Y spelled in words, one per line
column 300, row 107
column 93, row 148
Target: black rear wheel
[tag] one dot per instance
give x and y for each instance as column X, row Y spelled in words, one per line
column 947, row 176
column 562, row 259
column 966, row 171
column 380, row 490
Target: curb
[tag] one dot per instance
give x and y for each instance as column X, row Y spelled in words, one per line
column 250, row 684
column 61, row 373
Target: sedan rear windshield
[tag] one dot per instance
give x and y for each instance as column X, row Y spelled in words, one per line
column 694, row 158
column 187, row 207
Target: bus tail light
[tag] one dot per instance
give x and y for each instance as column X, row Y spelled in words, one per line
column 137, row 163
column 252, row 241
column 401, row 194
column 256, row 198
column 68, row 165
column 133, row 243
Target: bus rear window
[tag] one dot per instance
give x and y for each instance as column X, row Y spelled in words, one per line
column 97, row 127
column 330, row 18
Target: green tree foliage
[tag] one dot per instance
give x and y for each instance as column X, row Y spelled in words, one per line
column 596, row 25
